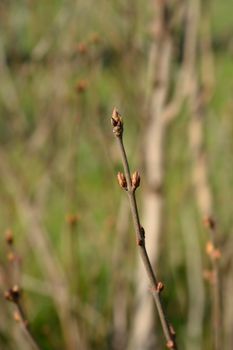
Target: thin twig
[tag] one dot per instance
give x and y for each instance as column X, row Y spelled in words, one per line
column 130, row 184
column 14, row 295
column 51, row 267
column 197, row 100
column 215, row 254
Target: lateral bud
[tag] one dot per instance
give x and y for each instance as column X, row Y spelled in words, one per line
column 72, row 219
column 9, row 237
column 140, row 242
column 213, row 252
column 117, row 123
column 170, row 344
column 12, row 257
column 135, row 179
column 160, row 287
column 122, row 180
column 209, row 222
column 16, row 316
column 209, row 276
column 13, row 294
column 172, row 330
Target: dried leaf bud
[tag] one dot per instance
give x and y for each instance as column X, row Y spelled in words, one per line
column 135, row 180
column 9, row 237
column 122, row 180
column 117, row 123
column 209, row 222
column 170, row 344
column 13, row 294
column 159, row 287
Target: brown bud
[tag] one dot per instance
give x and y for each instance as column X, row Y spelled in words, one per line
column 172, row 330
column 16, row 316
column 209, row 248
column 216, row 254
column 170, row 344
column 159, row 287
column 139, row 242
column 117, row 123
column 7, row 295
column 213, row 252
column 72, row 219
column 9, row 237
column 209, row 222
column 11, row 257
column 135, row 180
column 13, row 294
column 81, row 86
column 122, row 180
column 116, row 117
column 209, row 276
column 82, row 48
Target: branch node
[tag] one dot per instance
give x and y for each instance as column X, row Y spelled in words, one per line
column 140, row 242
column 13, row 294
column 209, row 222
column 143, row 232
column 17, row 317
column 170, row 344
column 11, row 257
column 160, row 287
column 9, row 237
column 213, row 252
column 209, row 276
column 172, row 330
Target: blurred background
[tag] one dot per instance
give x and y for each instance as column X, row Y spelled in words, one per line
column 167, row 66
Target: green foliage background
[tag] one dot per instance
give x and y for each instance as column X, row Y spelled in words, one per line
column 59, row 148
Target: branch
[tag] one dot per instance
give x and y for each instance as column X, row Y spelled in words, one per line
column 130, row 184
column 214, row 255
column 14, row 295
